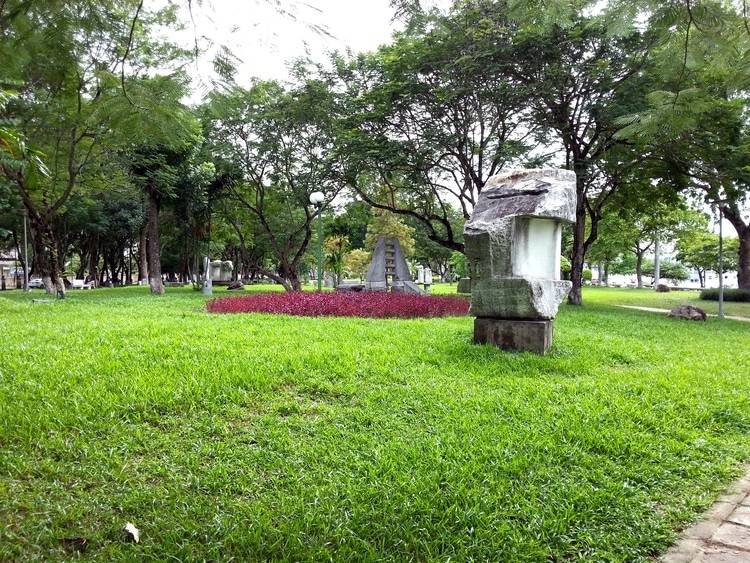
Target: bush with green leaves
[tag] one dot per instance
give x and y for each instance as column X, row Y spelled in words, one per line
column 737, row 295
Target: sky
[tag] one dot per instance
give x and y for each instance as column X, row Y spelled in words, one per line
column 266, row 40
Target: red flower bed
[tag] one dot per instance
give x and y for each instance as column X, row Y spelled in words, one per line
column 342, row 304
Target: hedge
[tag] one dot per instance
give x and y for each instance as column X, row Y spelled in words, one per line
column 738, row 295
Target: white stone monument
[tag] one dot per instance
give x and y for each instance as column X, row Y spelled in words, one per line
column 513, row 241
column 427, row 278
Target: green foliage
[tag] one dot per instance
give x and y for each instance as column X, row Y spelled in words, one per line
column 700, row 249
column 357, row 262
column 350, row 439
column 458, row 264
column 736, row 295
column 432, row 117
column 668, row 270
column 280, row 140
column 385, row 223
column 335, row 249
column 624, row 265
column 565, row 266
column 696, row 120
column 352, row 223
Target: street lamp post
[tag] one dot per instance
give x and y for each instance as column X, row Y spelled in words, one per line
column 317, row 198
column 721, row 266
column 25, row 253
column 719, row 206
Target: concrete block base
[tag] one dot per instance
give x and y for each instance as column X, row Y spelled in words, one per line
column 514, row 334
column 464, row 285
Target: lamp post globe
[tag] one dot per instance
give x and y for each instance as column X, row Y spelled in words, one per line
column 317, row 199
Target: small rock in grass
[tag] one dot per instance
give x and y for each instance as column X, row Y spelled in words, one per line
column 235, row 285
column 688, row 312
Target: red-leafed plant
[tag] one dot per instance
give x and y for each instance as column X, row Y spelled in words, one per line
column 371, row 304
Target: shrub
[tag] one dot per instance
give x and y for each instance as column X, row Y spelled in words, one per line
column 662, row 288
column 737, row 295
column 371, row 304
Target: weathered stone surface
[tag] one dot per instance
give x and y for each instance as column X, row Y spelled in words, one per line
column 512, row 243
column 518, row 298
column 218, row 270
column 407, row 286
column 512, row 334
column 542, row 193
column 235, row 285
column 688, row 312
column 464, row 285
column 388, row 269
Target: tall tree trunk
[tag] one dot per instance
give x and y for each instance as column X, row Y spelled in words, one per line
column 153, row 245
column 142, row 254
column 639, row 269
column 94, row 260
column 575, row 297
column 743, row 232
column 46, row 258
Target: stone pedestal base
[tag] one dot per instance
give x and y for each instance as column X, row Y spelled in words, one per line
column 514, row 334
column 464, row 285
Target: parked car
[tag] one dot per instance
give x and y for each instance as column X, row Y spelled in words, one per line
column 36, row 283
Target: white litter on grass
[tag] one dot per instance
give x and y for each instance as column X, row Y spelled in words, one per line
column 132, row 532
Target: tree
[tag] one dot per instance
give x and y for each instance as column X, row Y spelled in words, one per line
column 358, row 262
column 155, row 169
column 282, row 140
column 430, row 117
column 351, row 223
column 458, row 265
column 699, row 249
column 580, row 76
column 696, row 121
column 668, row 270
column 336, row 248
column 385, row 223
column 76, row 67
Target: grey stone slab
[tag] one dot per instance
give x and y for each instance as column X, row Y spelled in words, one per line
column 389, row 270
column 511, row 334
column 741, row 515
column 720, row 510
column 685, row 551
column 720, row 554
column 704, row 529
column 733, row 535
column 518, row 298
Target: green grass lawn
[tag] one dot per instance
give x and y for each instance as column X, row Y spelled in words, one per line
column 256, row 437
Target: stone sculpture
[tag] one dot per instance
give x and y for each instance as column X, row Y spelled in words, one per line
column 512, row 243
column 221, row 270
column 388, row 269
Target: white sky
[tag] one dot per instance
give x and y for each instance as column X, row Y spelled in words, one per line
column 266, row 40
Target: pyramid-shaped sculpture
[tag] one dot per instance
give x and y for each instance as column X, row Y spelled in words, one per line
column 388, row 269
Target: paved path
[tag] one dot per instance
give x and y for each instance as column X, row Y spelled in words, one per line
column 723, row 533
column 653, row 310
